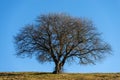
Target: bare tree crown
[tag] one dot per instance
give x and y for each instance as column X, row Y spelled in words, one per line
column 60, row 38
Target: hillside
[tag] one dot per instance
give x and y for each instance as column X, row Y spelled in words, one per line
column 65, row 76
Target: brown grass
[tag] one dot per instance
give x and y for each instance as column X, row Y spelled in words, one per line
column 64, row 76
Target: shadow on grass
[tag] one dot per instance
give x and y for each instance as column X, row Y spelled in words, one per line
column 42, row 73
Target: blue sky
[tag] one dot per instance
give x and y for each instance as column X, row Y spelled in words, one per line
column 14, row 14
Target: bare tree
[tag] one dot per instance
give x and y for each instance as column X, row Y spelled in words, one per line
column 61, row 38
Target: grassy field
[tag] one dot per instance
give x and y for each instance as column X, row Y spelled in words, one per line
column 64, row 76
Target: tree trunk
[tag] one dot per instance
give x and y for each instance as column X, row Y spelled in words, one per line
column 58, row 68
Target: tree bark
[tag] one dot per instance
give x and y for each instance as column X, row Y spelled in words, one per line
column 58, row 68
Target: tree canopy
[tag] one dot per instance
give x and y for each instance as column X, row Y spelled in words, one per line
column 61, row 38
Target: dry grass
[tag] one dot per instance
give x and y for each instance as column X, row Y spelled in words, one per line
column 65, row 76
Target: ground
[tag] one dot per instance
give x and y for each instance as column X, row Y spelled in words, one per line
column 63, row 76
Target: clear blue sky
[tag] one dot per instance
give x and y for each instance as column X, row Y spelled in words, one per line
column 14, row 14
